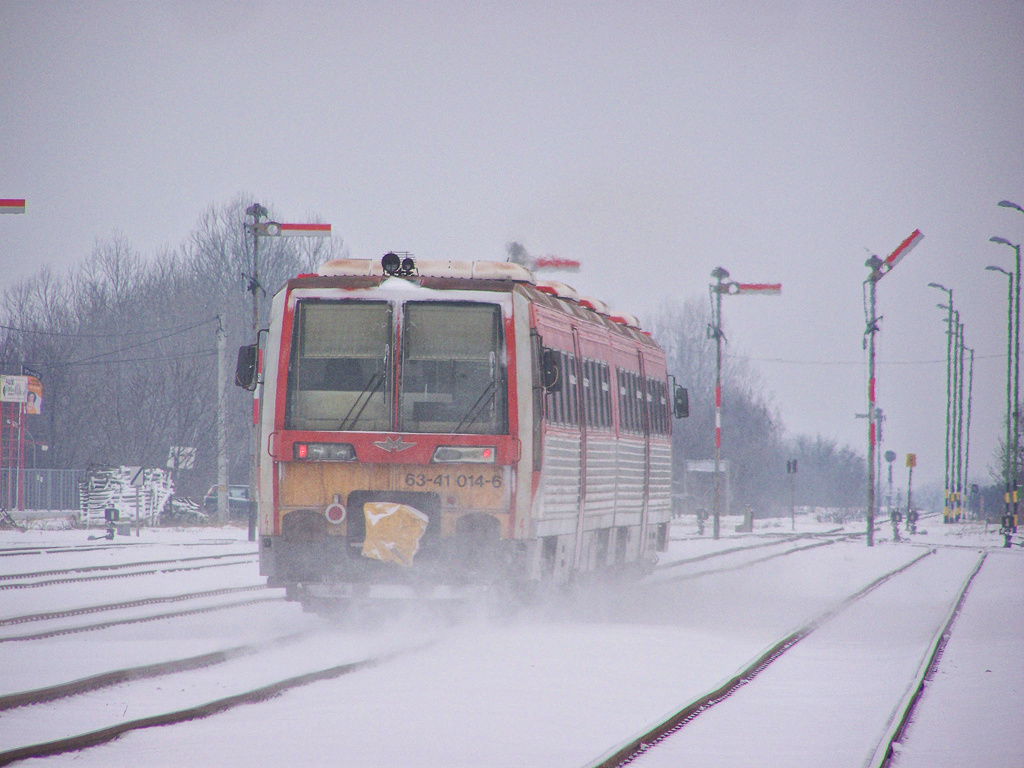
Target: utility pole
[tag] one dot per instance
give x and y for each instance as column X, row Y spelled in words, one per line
column 1007, row 517
column 1016, row 363
column 1015, row 462
column 223, row 511
column 960, row 427
column 967, row 438
column 879, row 268
column 718, row 289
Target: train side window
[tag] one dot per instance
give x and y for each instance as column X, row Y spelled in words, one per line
column 629, row 406
column 606, row 394
column 593, row 395
column 572, row 410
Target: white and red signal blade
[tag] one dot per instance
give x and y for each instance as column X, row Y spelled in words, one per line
column 555, row 262
column 11, row 205
column 305, row 230
column 904, row 248
column 759, row 289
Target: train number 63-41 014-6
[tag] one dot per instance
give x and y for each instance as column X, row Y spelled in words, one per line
column 421, row 480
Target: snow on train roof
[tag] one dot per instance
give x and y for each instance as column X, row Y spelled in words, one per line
column 465, row 270
column 480, row 270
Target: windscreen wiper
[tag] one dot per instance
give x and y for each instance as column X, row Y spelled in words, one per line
column 375, row 382
column 478, row 407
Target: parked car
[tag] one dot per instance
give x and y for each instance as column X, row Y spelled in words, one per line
column 238, row 500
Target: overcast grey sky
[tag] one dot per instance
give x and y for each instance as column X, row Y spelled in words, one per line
column 653, row 141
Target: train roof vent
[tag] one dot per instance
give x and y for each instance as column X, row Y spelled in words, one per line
column 624, row 318
column 595, row 304
column 351, row 268
column 556, row 288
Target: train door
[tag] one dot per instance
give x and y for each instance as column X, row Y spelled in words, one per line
column 582, row 411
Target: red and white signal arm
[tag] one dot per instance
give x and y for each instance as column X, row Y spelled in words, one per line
column 11, row 205
column 555, row 262
column 274, row 229
column 903, row 249
column 760, row 289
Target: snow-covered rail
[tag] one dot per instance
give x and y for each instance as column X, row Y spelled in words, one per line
column 129, row 674
column 203, row 606
column 120, row 570
column 195, row 711
column 736, row 558
column 903, row 712
column 641, row 744
column 53, row 549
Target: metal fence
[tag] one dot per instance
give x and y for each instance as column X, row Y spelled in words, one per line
column 53, row 489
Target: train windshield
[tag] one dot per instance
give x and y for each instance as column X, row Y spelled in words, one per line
column 454, row 370
column 338, row 369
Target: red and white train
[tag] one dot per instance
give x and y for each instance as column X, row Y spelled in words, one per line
column 429, row 427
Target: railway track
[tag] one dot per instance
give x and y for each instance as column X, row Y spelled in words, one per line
column 192, row 711
column 131, row 605
column 902, row 714
column 87, row 548
column 664, row 571
column 120, row 570
column 143, row 672
column 637, row 747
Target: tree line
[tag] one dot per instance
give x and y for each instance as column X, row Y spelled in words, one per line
column 126, row 347
column 754, row 441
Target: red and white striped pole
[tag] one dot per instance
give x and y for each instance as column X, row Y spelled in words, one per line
column 879, row 268
column 721, row 287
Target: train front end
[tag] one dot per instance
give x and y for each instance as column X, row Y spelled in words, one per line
column 387, row 449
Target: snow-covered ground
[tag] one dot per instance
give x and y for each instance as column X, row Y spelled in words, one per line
column 565, row 682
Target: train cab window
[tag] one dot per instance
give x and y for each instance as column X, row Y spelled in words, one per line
column 337, row 370
column 454, row 369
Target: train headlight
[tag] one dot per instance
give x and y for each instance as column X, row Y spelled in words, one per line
column 464, row 454
column 324, row 452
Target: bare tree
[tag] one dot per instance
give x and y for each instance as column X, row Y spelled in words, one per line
column 126, row 345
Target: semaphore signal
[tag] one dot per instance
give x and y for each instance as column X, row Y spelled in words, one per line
column 879, row 269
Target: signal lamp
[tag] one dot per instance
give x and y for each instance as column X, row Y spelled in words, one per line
column 324, row 452
column 464, row 454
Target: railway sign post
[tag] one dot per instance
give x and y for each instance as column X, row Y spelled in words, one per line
column 879, row 269
column 722, row 286
column 261, row 228
column 911, row 463
column 791, row 471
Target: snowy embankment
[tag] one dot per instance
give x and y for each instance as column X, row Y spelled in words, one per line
column 554, row 686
